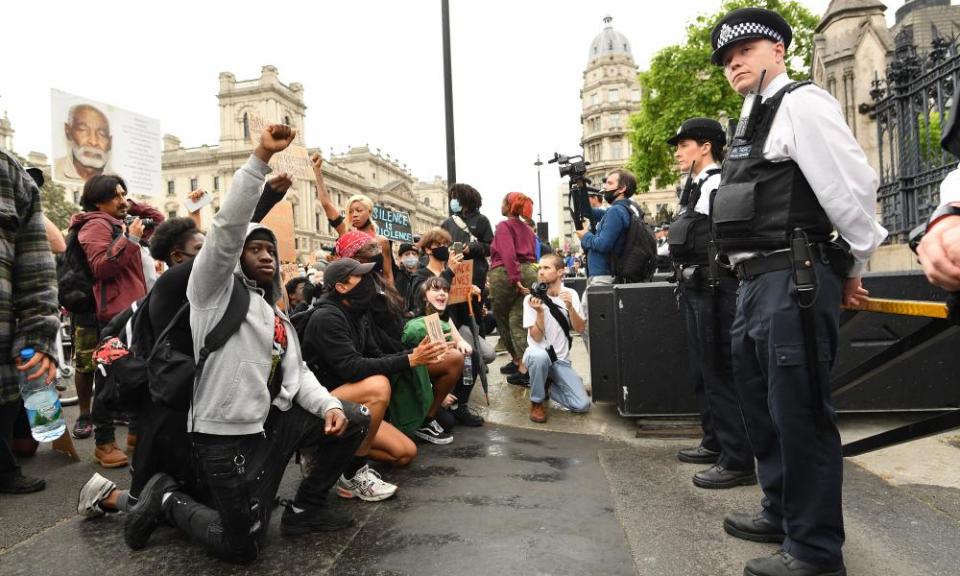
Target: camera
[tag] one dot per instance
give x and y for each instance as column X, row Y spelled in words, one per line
column 539, row 290
column 579, row 203
column 147, row 222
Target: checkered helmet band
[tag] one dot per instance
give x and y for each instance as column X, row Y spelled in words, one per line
column 733, row 33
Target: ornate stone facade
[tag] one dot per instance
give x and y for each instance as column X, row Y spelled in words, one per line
column 359, row 171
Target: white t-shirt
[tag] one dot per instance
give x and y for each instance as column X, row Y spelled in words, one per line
column 554, row 335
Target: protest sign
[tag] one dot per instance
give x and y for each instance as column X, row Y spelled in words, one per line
column 280, row 221
column 294, row 160
column 393, row 224
column 203, row 200
column 434, row 330
column 92, row 138
column 462, row 282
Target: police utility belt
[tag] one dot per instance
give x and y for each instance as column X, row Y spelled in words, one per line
column 836, row 255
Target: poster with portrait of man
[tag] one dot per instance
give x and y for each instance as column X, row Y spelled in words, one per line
column 92, row 138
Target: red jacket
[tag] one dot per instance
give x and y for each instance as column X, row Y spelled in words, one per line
column 114, row 260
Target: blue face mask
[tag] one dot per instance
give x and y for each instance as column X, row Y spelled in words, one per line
column 454, row 205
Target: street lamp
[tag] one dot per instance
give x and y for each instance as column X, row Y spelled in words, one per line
column 538, row 164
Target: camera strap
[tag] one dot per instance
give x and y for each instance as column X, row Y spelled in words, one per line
column 560, row 317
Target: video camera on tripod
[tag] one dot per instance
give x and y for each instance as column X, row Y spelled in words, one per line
column 579, row 202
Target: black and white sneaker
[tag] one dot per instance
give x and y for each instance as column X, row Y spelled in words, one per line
column 434, row 433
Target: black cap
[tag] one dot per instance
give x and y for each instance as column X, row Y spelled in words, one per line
column 407, row 247
column 342, row 269
column 700, row 129
column 748, row 24
column 37, row 175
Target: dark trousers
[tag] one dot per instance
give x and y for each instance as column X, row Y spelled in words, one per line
column 243, row 475
column 710, row 313
column 694, row 353
column 102, row 414
column 9, row 468
column 800, row 464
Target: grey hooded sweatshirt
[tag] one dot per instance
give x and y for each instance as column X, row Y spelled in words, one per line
column 231, row 397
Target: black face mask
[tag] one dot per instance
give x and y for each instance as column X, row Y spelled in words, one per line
column 377, row 263
column 441, row 253
column 610, row 196
column 362, row 295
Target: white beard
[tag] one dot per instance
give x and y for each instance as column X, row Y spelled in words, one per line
column 91, row 157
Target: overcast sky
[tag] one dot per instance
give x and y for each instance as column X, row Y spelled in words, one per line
column 371, row 69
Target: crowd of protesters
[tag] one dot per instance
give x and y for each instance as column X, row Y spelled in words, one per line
column 336, row 367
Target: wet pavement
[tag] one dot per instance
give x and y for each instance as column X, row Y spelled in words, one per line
column 578, row 495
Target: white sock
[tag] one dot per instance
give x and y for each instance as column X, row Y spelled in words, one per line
column 163, row 499
column 295, row 509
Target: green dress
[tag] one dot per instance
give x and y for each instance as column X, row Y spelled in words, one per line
column 412, row 393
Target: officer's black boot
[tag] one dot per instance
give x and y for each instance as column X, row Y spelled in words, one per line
column 718, row 477
column 754, row 527
column 783, row 564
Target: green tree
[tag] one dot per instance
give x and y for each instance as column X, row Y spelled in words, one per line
column 682, row 83
column 55, row 204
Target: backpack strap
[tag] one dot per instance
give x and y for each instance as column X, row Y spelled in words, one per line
column 166, row 330
column 462, row 225
column 228, row 324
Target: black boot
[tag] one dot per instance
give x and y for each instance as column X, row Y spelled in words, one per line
column 783, row 564
column 21, row 484
column 753, row 527
column 718, row 477
column 698, row 455
column 323, row 518
column 143, row 518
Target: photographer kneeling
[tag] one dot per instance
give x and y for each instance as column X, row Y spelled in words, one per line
column 549, row 311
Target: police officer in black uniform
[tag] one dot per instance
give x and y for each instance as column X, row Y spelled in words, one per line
column 793, row 175
column 708, row 294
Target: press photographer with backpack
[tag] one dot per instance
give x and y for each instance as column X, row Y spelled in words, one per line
column 623, row 248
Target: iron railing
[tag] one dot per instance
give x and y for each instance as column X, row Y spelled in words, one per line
column 911, row 107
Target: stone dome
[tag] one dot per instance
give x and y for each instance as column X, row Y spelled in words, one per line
column 609, row 42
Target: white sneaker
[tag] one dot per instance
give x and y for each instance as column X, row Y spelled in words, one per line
column 366, row 485
column 92, row 494
column 558, row 406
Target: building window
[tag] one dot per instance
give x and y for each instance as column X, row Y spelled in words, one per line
column 172, row 214
column 615, row 149
column 296, row 242
column 216, row 182
column 594, row 99
column 316, row 221
column 613, row 95
column 193, row 184
column 636, row 95
column 286, row 120
column 615, row 121
column 171, row 188
column 246, row 127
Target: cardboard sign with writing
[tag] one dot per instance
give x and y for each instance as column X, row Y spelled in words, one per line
column 462, row 282
column 434, row 330
column 393, row 224
column 280, row 221
column 294, row 160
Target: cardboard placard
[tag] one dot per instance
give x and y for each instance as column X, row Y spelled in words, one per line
column 434, row 330
column 462, row 282
column 280, row 221
column 294, row 160
column 393, row 224
column 192, row 206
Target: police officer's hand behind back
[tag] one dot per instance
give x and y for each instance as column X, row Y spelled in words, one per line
column 854, row 293
column 939, row 253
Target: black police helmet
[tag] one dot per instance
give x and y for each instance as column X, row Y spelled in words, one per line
column 700, row 129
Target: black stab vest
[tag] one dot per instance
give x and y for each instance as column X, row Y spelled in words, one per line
column 759, row 202
column 689, row 234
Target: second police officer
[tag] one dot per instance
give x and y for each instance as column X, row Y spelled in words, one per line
column 793, row 175
column 708, row 295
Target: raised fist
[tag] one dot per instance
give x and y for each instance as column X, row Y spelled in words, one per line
column 276, row 138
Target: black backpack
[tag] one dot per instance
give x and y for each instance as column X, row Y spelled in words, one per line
column 638, row 261
column 153, row 368
column 74, row 277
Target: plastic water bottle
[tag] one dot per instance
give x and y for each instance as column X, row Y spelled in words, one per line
column 42, row 403
column 467, row 370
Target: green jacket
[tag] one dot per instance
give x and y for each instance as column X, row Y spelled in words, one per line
column 412, row 393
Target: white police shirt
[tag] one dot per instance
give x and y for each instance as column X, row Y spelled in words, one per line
column 950, row 188
column 809, row 129
column 707, row 186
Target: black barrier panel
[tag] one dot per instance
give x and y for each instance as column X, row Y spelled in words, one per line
column 578, row 284
column 638, row 352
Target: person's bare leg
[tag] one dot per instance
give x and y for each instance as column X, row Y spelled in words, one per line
column 392, row 446
column 84, row 385
column 374, row 393
column 444, row 375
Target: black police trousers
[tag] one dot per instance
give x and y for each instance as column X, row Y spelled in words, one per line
column 798, row 450
column 243, row 474
column 709, row 313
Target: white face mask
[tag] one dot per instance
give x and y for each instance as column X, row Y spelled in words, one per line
column 410, row 261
